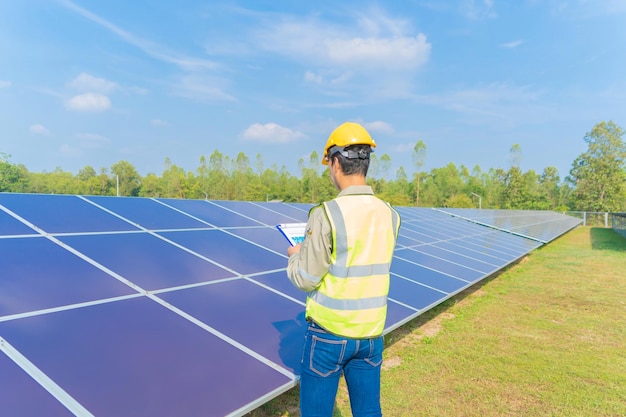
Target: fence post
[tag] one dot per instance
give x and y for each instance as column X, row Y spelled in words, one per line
column 584, row 218
column 606, row 219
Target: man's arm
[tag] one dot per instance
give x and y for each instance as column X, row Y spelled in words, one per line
column 309, row 260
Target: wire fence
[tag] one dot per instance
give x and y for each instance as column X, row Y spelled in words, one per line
column 616, row 221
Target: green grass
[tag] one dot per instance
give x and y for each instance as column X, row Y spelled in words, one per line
column 546, row 337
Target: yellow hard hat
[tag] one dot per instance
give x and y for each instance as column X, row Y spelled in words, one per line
column 347, row 134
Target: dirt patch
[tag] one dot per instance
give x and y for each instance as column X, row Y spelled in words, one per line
column 391, row 363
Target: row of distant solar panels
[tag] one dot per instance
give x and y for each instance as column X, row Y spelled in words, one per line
column 105, row 301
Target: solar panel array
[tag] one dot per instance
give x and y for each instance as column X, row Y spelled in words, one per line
column 114, row 306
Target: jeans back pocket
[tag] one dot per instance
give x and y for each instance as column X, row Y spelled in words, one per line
column 326, row 355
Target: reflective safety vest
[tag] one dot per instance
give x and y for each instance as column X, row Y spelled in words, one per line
column 351, row 300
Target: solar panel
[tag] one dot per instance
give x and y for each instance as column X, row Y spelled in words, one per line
column 161, row 307
column 543, row 226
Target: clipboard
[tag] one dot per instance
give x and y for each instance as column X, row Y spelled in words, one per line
column 293, row 232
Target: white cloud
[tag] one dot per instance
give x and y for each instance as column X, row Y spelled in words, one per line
column 478, row 9
column 89, row 102
column 154, row 50
column 493, row 104
column 5, row 84
column 88, row 84
column 39, row 130
column 200, row 87
column 391, row 53
column 585, row 9
column 512, row 44
column 311, row 77
column 158, row 122
column 379, row 127
column 370, row 45
column 70, row 151
column 270, row 133
column 139, row 90
column 328, row 77
column 92, row 140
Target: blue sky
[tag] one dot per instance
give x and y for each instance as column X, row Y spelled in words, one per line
column 88, row 82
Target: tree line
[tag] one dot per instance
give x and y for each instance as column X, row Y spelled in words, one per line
column 596, row 181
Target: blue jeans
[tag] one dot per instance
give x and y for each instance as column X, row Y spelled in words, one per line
column 324, row 358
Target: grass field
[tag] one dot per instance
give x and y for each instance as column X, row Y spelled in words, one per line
column 546, row 337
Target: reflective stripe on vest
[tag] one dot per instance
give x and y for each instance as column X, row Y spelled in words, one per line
column 351, row 300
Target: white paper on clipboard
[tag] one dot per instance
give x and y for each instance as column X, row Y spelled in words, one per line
column 293, row 232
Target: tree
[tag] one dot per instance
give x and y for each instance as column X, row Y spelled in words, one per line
column 598, row 175
column 240, row 175
column 419, row 153
column 459, row 201
column 515, row 155
column 442, row 184
column 13, row 178
column 475, row 185
column 88, row 181
column 128, row 177
column 372, row 170
column 217, row 188
column 104, row 182
column 151, row 186
column 385, row 165
column 203, row 177
column 549, row 188
column 518, row 190
column 398, row 191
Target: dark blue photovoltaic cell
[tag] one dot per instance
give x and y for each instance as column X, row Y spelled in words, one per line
column 259, row 213
column 494, row 244
column 21, row 396
column 210, row 212
column 419, row 233
column 141, row 360
column 220, row 330
column 435, row 232
column 229, row 251
column 397, row 315
column 302, row 206
column 146, row 260
column 452, row 246
column 438, row 264
column 413, row 294
column 62, row 213
column 278, row 281
column 148, row 213
column 496, row 253
column 266, row 236
column 11, row 227
column 252, row 315
column 38, row 274
column 504, row 243
column 404, row 240
column 434, row 279
column 298, row 214
column 457, row 258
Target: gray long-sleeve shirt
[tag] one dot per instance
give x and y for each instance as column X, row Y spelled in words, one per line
column 307, row 268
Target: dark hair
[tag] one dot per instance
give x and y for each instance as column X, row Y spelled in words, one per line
column 354, row 166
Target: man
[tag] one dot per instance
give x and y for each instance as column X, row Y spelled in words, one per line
column 344, row 264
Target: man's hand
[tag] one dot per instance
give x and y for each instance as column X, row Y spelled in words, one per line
column 294, row 249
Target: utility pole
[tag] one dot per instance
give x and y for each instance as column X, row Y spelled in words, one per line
column 480, row 201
